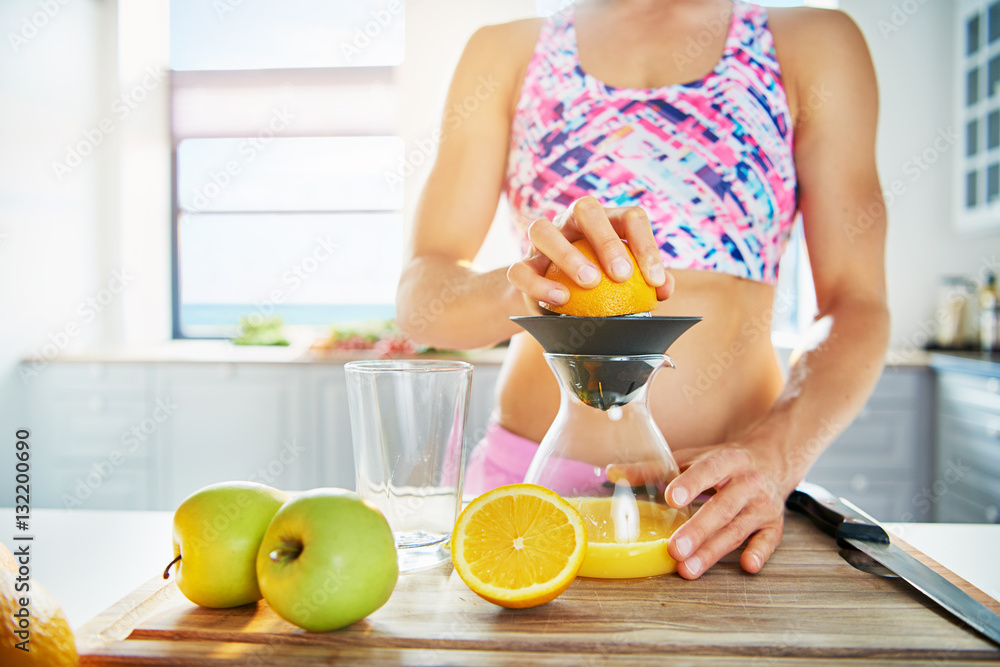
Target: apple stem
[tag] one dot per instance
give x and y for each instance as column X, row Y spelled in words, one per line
column 166, row 572
column 279, row 555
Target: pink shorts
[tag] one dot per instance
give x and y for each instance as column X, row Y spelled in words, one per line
column 502, row 457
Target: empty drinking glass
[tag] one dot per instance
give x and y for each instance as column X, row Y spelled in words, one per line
column 408, row 424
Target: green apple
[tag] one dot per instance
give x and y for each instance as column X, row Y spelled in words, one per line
column 328, row 559
column 217, row 531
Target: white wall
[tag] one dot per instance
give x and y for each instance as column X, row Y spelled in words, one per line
column 436, row 33
column 52, row 230
column 914, row 64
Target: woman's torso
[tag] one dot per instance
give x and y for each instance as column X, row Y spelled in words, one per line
column 727, row 374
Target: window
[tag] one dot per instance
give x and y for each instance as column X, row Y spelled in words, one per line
column 994, row 22
column 972, row 86
column 977, row 108
column 292, row 34
column 993, row 76
column 972, row 138
column 287, row 162
column 972, row 34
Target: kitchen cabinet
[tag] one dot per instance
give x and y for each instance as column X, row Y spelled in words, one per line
column 883, row 461
column 91, row 437
column 966, row 487
column 144, row 435
column 230, row 421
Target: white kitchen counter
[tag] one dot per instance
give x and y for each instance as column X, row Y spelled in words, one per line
column 90, row 559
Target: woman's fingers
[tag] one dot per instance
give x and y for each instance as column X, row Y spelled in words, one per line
column 720, row 544
column 746, row 504
column 710, row 470
column 666, row 290
column 552, row 243
column 591, row 220
column 685, row 457
column 538, row 288
column 636, row 474
column 604, row 229
column 718, row 513
column 632, row 223
column 760, row 547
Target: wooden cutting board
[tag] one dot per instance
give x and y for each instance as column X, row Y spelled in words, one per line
column 807, row 606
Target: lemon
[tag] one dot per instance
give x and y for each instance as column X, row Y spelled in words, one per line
column 50, row 640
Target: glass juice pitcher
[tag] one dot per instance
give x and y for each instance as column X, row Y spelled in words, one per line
column 603, row 452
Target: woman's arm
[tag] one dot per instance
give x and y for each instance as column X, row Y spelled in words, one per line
column 442, row 299
column 833, row 375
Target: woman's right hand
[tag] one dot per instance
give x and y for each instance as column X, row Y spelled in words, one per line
column 605, row 228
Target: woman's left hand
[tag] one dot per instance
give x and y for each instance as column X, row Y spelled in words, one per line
column 750, row 483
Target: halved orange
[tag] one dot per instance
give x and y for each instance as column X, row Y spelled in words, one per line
column 609, row 298
column 519, row 545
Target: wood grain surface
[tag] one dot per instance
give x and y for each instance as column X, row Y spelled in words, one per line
column 807, row 607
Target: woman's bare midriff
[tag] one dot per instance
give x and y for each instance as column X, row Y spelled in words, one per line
column 727, row 375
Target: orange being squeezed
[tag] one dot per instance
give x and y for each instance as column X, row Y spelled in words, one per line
column 627, row 538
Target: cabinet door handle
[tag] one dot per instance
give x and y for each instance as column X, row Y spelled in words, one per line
column 993, row 384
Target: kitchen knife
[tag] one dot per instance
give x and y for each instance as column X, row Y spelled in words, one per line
column 853, row 528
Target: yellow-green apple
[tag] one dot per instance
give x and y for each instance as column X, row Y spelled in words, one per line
column 328, row 559
column 217, row 532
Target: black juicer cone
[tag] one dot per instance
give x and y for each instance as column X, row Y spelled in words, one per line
column 605, row 361
column 605, row 336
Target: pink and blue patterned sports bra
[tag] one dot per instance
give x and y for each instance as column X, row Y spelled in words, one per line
column 710, row 161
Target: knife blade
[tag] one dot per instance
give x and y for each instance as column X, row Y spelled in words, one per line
column 853, row 528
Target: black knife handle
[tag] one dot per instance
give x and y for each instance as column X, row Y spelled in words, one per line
column 833, row 516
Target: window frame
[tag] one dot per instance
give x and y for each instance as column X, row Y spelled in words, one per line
column 377, row 75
